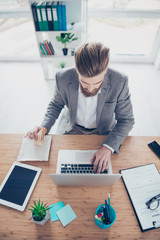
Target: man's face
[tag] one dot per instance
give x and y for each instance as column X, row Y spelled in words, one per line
column 90, row 86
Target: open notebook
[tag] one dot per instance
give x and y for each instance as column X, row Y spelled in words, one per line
column 31, row 152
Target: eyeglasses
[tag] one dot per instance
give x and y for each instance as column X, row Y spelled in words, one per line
column 153, row 203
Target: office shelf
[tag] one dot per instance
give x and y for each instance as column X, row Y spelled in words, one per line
column 76, row 11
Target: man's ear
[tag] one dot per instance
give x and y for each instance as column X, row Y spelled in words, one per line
column 76, row 69
column 106, row 70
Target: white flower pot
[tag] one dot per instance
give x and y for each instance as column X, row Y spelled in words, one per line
column 44, row 220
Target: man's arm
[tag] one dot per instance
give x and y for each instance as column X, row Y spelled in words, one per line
column 53, row 110
column 125, row 121
column 124, row 117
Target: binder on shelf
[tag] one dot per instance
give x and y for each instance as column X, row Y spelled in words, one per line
column 64, row 20
column 35, row 17
column 49, row 16
column 38, row 10
column 59, row 12
column 44, row 16
column 55, row 16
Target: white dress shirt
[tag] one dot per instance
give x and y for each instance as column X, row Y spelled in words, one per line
column 86, row 112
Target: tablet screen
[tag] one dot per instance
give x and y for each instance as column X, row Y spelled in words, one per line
column 18, row 185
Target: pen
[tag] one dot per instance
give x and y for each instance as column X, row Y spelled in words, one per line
column 106, row 213
column 109, row 201
column 107, row 209
column 109, row 204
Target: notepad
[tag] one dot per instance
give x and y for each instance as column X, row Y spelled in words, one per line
column 66, row 215
column 53, row 210
column 31, row 152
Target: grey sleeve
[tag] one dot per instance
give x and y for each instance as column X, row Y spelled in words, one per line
column 54, row 109
column 124, row 117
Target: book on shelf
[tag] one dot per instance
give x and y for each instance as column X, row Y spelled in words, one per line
column 49, row 16
column 43, row 51
column 51, row 48
column 46, row 48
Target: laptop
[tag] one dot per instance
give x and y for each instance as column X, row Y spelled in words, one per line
column 74, row 169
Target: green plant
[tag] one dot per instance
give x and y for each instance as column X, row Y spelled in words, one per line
column 62, row 64
column 38, row 210
column 65, row 38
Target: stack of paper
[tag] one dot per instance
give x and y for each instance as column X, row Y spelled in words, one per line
column 63, row 213
column 31, row 152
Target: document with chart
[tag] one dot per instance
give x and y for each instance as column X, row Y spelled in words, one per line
column 31, row 152
column 142, row 184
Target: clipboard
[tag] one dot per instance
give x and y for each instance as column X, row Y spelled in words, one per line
column 147, row 219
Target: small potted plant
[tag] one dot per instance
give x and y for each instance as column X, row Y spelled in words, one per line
column 72, row 24
column 40, row 213
column 65, row 38
column 62, row 64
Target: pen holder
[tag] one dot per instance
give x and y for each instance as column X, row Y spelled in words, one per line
column 112, row 217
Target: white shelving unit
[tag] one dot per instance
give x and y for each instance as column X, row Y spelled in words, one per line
column 76, row 11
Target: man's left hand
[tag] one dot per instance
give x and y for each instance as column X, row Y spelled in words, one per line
column 101, row 159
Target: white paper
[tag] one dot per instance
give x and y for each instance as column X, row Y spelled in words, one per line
column 143, row 183
column 31, row 152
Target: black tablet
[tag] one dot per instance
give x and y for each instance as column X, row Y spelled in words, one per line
column 18, row 185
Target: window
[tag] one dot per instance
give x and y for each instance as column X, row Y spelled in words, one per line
column 13, row 4
column 131, row 28
column 17, row 36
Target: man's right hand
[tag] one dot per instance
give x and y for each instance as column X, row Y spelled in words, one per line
column 34, row 133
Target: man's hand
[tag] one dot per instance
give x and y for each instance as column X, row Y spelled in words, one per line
column 34, row 133
column 101, row 159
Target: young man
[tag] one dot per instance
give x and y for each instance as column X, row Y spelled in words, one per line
column 98, row 100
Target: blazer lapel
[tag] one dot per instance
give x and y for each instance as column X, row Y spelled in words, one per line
column 102, row 96
column 73, row 95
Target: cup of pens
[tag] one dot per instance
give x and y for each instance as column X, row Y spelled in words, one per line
column 105, row 215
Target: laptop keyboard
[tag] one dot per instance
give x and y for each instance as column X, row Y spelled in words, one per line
column 78, row 169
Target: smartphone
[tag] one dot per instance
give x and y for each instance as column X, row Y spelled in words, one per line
column 155, row 147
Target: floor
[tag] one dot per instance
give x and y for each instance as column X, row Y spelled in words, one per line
column 25, row 94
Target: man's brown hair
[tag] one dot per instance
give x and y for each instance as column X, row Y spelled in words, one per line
column 91, row 59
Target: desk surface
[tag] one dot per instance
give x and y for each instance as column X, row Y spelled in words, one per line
column 84, row 200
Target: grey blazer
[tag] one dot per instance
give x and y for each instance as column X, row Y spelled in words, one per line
column 114, row 111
